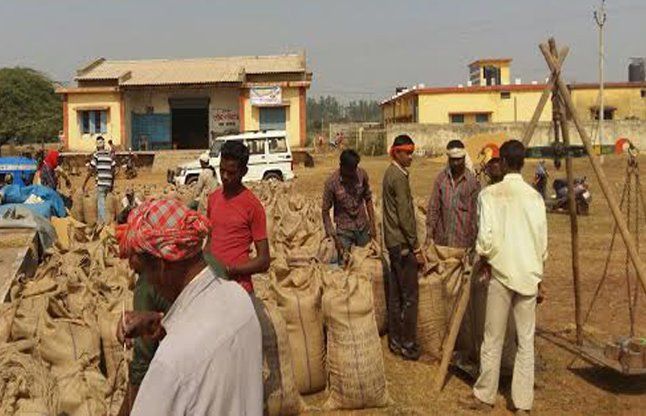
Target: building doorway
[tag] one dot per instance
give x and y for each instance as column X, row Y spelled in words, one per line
column 190, row 123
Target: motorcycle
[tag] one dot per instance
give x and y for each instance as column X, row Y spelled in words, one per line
column 582, row 196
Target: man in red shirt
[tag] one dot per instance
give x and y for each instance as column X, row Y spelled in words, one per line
column 237, row 219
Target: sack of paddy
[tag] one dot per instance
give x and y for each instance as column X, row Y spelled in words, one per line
column 327, row 252
column 111, row 207
column 113, row 356
column 368, row 261
column 26, row 386
column 77, row 205
column 438, row 290
column 354, row 357
column 82, row 390
column 90, row 209
column 298, row 296
column 280, row 394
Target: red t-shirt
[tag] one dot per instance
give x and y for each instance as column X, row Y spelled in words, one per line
column 235, row 224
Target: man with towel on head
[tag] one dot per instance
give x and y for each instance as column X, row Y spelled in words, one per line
column 210, row 358
column 452, row 215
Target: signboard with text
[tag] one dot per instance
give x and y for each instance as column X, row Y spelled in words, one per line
column 266, row 96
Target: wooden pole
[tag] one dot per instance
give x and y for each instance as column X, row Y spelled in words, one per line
column 561, row 114
column 607, row 190
column 529, row 131
column 454, row 329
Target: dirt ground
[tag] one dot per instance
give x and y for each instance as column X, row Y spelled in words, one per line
column 563, row 387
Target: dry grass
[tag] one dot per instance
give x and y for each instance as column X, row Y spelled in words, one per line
column 583, row 390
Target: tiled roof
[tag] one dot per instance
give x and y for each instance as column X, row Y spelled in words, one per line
column 189, row 71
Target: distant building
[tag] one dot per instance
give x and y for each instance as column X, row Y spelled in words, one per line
column 183, row 103
column 491, row 97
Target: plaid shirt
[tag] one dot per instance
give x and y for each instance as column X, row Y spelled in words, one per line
column 349, row 201
column 452, row 215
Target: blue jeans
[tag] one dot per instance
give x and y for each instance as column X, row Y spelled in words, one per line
column 101, row 193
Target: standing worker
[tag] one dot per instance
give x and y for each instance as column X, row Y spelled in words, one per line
column 206, row 184
column 347, row 190
column 237, row 219
column 400, row 235
column 452, row 218
column 50, row 170
column 102, row 166
column 513, row 241
column 540, row 178
column 209, row 360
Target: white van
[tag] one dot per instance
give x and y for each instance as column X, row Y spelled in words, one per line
column 270, row 158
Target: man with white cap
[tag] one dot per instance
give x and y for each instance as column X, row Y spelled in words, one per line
column 206, row 183
column 452, row 216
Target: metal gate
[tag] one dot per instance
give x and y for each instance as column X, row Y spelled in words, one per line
column 272, row 118
column 151, row 131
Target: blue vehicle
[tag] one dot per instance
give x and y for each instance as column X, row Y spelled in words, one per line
column 22, row 169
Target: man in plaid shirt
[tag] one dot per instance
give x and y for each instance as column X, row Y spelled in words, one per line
column 452, row 214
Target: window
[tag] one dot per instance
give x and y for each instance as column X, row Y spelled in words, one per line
column 277, row 145
column 94, row 121
column 272, row 118
column 482, row 118
column 608, row 113
column 457, row 118
column 256, row 147
column 643, row 93
column 505, row 95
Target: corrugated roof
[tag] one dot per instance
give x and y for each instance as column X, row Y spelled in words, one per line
column 189, row 71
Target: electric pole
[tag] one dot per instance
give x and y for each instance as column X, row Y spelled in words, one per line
column 600, row 19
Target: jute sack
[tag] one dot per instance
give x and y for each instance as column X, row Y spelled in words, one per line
column 354, row 356
column 82, row 390
column 111, row 207
column 280, row 394
column 369, row 261
column 112, row 351
column 90, row 208
column 77, row 205
column 7, row 314
column 298, row 296
column 438, row 289
column 26, row 386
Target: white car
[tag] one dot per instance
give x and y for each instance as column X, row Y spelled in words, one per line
column 270, row 158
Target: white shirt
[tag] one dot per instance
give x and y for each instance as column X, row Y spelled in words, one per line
column 210, row 362
column 512, row 233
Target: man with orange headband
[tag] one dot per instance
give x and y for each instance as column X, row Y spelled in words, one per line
column 400, row 234
column 210, row 358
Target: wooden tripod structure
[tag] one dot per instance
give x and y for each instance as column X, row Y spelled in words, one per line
column 565, row 107
column 563, row 111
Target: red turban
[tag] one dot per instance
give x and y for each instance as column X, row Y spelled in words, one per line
column 51, row 159
column 164, row 228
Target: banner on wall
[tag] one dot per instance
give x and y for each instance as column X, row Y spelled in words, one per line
column 266, row 96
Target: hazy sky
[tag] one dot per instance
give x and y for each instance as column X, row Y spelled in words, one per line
column 356, row 48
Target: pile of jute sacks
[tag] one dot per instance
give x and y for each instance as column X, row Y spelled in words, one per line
column 58, row 348
column 328, row 319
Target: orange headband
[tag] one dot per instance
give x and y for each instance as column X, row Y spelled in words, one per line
column 403, row 148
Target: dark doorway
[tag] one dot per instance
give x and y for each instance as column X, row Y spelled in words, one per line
column 190, row 128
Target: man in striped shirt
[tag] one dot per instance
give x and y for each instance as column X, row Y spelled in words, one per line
column 102, row 166
column 452, row 216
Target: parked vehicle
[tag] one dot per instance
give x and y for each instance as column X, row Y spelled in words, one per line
column 583, row 197
column 270, row 158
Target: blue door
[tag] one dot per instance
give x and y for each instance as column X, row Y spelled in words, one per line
column 272, row 118
column 155, row 129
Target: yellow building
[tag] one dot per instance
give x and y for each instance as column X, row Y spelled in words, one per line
column 489, row 97
column 183, row 103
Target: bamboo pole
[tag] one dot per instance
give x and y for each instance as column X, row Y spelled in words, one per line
column 529, row 131
column 574, row 225
column 454, row 329
column 607, row 190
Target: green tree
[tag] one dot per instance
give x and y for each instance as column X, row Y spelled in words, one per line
column 30, row 110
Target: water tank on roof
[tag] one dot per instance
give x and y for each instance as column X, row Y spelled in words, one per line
column 637, row 70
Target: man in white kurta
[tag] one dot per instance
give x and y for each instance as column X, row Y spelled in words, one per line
column 210, row 361
column 512, row 237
